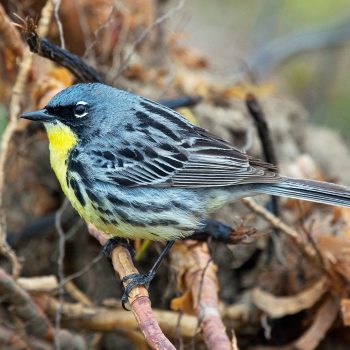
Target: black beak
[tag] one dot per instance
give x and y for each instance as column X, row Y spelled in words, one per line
column 41, row 115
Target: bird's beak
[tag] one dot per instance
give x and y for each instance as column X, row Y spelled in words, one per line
column 41, row 115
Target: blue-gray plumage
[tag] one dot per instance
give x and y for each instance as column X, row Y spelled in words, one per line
column 137, row 169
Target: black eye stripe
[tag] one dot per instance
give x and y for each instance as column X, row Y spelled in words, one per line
column 61, row 111
column 68, row 111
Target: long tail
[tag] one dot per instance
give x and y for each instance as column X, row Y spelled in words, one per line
column 314, row 191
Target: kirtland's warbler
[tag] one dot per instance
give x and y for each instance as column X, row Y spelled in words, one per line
column 137, row 169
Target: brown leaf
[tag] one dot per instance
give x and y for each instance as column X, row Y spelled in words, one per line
column 183, row 303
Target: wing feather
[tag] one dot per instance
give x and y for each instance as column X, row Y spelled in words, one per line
column 176, row 155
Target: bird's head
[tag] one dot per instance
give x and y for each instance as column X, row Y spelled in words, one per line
column 82, row 109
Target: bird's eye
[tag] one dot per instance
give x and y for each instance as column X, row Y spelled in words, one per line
column 81, row 109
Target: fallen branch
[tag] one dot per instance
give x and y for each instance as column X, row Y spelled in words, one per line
column 138, row 298
column 102, row 319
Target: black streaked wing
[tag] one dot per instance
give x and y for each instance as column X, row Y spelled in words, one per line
column 168, row 151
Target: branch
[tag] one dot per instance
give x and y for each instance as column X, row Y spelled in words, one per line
column 258, row 115
column 138, row 298
column 101, row 319
column 82, row 71
column 196, row 274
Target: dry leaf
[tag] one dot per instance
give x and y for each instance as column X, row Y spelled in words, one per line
column 282, row 306
column 240, row 91
column 183, row 303
column 337, row 251
column 345, row 311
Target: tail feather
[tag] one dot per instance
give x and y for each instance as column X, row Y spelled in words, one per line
column 310, row 190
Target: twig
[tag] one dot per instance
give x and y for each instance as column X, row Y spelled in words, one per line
column 258, row 115
column 85, row 269
column 98, row 30
column 278, row 223
column 59, row 23
column 138, row 298
column 14, row 110
column 60, row 272
column 197, row 274
column 145, row 33
column 77, row 294
column 273, row 220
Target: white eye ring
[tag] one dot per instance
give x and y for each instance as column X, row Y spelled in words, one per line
column 81, row 112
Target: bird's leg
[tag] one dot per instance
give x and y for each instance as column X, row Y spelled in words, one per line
column 136, row 279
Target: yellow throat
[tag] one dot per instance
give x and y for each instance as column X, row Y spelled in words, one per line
column 62, row 140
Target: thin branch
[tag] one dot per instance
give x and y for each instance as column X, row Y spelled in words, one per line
column 14, row 110
column 145, row 33
column 278, row 223
column 60, row 263
column 59, row 23
column 138, row 297
column 77, row 294
column 262, row 127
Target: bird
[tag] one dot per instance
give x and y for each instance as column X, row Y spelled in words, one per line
column 136, row 169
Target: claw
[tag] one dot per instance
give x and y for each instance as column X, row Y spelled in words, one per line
column 112, row 243
column 135, row 279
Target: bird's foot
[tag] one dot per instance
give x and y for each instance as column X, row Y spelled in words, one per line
column 113, row 242
column 134, row 280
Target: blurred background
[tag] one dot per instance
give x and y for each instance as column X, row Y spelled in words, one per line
column 293, row 56
column 301, row 46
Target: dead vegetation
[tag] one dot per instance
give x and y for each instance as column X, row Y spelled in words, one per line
column 57, row 291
